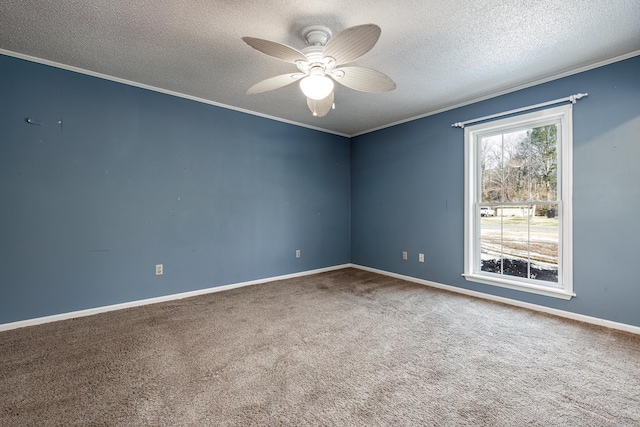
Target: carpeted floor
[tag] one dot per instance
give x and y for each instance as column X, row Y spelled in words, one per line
column 341, row 348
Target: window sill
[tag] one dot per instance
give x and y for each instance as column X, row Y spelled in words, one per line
column 520, row 286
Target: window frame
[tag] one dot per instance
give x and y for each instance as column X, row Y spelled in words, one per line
column 473, row 181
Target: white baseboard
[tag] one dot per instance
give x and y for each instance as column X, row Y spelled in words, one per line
column 554, row 311
column 91, row 311
column 560, row 313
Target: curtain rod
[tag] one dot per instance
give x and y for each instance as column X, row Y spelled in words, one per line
column 572, row 98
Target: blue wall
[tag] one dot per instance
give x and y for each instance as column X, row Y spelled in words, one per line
column 407, row 193
column 133, row 178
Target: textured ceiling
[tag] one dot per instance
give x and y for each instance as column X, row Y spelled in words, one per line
column 440, row 53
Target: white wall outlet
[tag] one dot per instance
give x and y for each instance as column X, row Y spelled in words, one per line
column 159, row 269
column 404, row 255
column 297, row 253
column 420, row 257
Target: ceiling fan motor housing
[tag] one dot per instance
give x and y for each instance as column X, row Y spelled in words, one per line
column 314, row 58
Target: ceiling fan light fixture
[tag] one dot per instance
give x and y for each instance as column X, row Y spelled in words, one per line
column 316, row 85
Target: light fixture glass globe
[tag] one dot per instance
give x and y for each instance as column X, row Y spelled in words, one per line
column 316, row 86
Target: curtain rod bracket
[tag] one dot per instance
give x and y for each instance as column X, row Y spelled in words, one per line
column 576, row 97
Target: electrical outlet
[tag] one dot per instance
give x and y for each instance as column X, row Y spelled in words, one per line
column 404, row 255
column 420, row 257
column 159, row 269
column 297, row 253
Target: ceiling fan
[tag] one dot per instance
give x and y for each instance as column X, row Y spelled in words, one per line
column 320, row 63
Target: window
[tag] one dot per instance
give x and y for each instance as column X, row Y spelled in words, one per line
column 518, row 202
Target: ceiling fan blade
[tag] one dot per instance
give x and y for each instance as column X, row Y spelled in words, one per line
column 363, row 79
column 321, row 107
column 274, row 83
column 277, row 50
column 352, row 43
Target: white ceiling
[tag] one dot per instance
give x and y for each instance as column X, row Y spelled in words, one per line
column 440, row 53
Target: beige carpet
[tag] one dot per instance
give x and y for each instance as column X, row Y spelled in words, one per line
column 341, row 348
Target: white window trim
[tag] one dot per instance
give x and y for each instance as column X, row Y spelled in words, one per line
column 471, row 226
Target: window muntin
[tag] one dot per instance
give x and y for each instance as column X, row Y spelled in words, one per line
column 518, row 177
